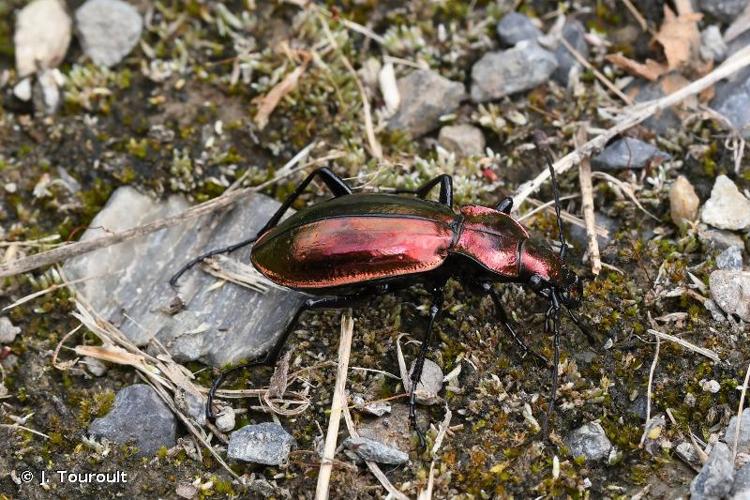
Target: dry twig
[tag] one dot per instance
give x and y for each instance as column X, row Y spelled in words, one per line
column 587, row 199
column 598, row 74
column 337, row 404
column 684, row 343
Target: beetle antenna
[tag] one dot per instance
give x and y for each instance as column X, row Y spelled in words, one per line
column 541, row 143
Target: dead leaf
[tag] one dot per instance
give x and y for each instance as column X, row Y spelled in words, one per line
column 650, row 70
column 679, row 35
column 277, row 384
column 269, row 101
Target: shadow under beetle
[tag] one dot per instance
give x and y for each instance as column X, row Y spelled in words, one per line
column 359, row 244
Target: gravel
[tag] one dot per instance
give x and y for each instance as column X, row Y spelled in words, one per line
column 589, row 441
column 731, row 291
column 108, row 30
column 727, row 208
column 715, row 478
column 730, row 259
column 211, row 328
column 425, row 97
column 375, row 451
column 8, row 331
column 627, row 153
column 138, row 415
column 507, row 72
column 683, row 201
column 463, row 140
column 267, row 443
column 430, row 384
column 515, row 27
column 573, row 33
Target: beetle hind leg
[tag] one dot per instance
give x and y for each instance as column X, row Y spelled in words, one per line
column 446, row 189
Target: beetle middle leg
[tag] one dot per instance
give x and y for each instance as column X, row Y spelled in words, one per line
column 336, row 184
column 500, row 311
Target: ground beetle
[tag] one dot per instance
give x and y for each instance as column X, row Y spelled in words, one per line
column 358, row 244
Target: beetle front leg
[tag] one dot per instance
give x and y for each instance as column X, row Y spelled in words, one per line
column 416, row 374
column 500, row 311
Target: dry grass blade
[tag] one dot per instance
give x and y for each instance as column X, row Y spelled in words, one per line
column 234, row 271
column 633, row 116
column 649, row 392
column 625, row 188
column 24, row 428
column 598, row 74
column 739, row 413
column 684, row 343
column 338, row 404
column 269, row 102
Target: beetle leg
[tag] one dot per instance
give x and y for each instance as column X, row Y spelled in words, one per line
column 273, row 354
column 336, row 184
column 416, row 374
column 500, row 311
column 446, row 189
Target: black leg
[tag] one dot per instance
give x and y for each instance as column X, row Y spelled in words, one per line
column 552, row 324
column 273, row 354
column 416, row 375
column 446, row 189
column 505, row 205
column 500, row 311
column 336, row 184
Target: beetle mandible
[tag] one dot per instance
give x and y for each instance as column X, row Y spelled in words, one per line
column 357, row 244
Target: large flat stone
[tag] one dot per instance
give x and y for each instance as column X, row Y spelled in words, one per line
column 129, row 284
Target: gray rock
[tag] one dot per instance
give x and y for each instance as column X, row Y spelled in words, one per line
column 225, row 420
column 573, row 33
column 579, row 236
column 425, row 97
column 94, row 366
column 521, row 68
column 732, row 100
column 375, row 451
column 718, row 239
column 743, row 445
column 377, row 409
column 267, row 443
column 589, row 441
column 138, row 415
column 663, row 121
column 515, row 27
column 713, row 47
column 731, row 292
column 131, row 290
column 723, row 10
column 193, row 404
column 687, row 452
column 430, row 384
column 393, row 429
column 8, row 331
column 108, row 30
column 463, row 140
column 716, row 313
column 627, row 153
column 730, row 259
column 741, row 487
column 714, row 481
column 727, row 208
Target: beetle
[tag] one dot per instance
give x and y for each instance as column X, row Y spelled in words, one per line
column 355, row 245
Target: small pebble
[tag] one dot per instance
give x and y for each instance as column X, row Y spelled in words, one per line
column 730, row 259
column 8, row 331
column 507, row 72
column 589, row 441
column 377, row 409
column 267, row 443
column 716, row 477
column 108, row 30
column 732, row 100
column 711, row 386
column 225, row 421
column 687, row 452
column 42, row 36
column 186, row 491
column 515, row 27
column 718, row 239
column 627, row 153
column 727, row 208
column 731, row 291
column 425, row 96
column 94, row 366
column 375, row 451
column 683, row 201
column 138, row 415
column 430, row 384
column 463, row 140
